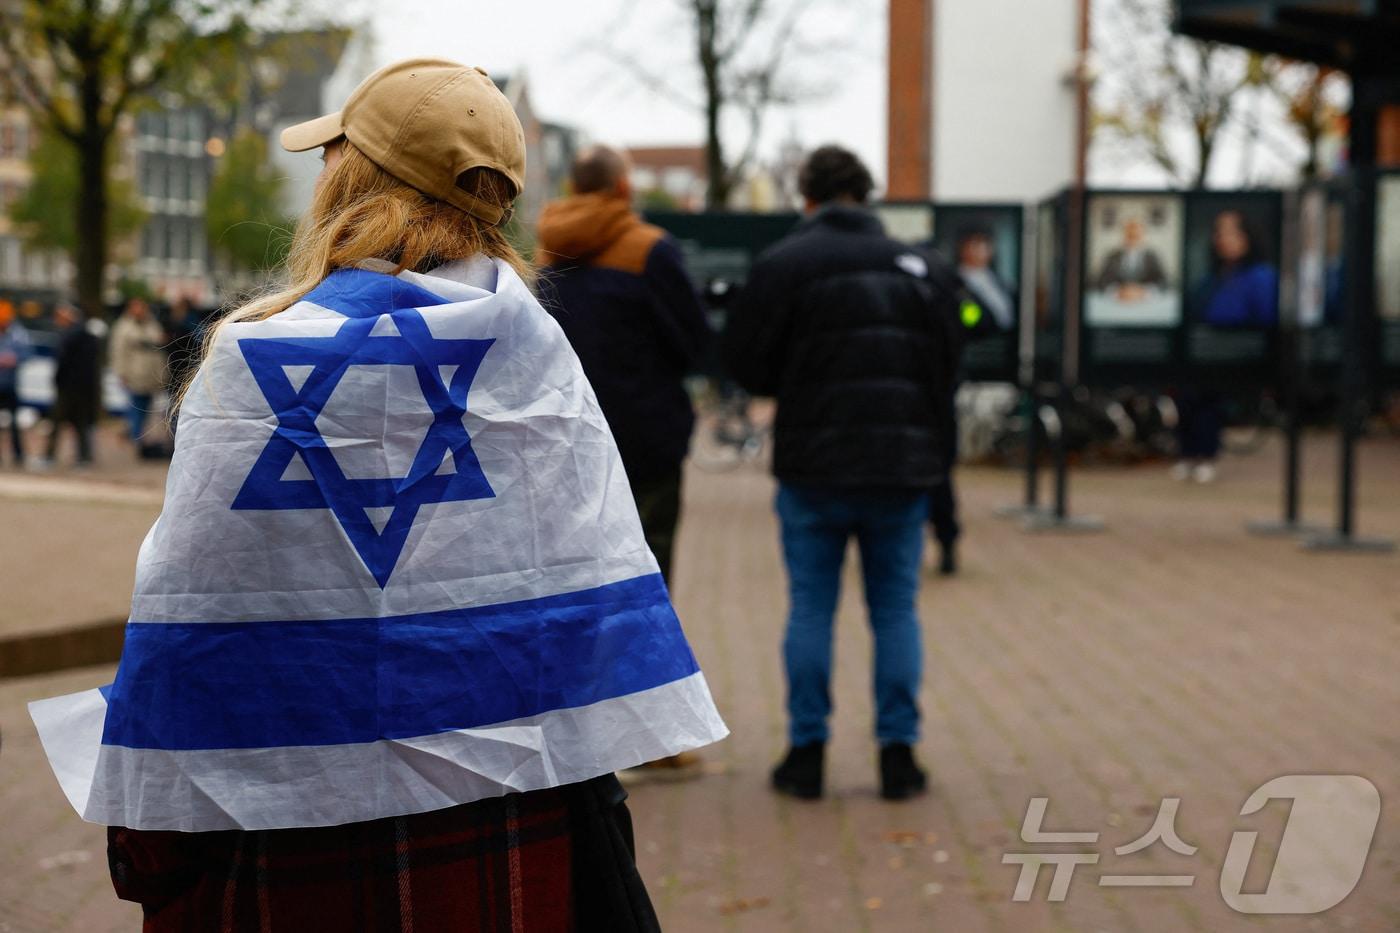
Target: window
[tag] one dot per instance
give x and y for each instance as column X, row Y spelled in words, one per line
column 33, row 267
column 152, row 168
column 195, row 247
column 174, row 241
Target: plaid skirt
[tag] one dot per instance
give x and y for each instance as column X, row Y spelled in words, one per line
column 552, row 860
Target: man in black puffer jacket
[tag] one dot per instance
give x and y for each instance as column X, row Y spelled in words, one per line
column 856, row 337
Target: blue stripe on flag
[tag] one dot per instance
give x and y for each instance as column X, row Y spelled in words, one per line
column 361, row 293
column 207, row 685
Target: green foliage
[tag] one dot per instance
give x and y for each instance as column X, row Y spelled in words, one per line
column 44, row 214
column 243, row 213
column 659, row 199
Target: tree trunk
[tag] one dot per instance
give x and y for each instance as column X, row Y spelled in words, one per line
column 92, row 195
column 706, row 22
column 1205, row 146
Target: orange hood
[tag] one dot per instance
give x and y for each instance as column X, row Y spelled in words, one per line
column 582, row 226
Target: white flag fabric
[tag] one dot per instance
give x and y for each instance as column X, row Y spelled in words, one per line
column 398, row 568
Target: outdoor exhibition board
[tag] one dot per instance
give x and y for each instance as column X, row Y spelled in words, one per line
column 1322, row 266
column 719, row 246
column 1180, row 288
column 1048, row 300
column 984, row 241
column 1320, row 233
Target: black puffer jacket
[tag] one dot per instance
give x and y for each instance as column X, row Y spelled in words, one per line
column 856, row 336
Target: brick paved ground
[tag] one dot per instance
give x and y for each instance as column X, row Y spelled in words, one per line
column 1169, row 656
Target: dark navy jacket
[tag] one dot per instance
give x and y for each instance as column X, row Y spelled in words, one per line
column 856, row 335
column 619, row 290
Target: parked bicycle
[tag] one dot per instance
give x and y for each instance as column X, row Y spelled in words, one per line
column 728, row 436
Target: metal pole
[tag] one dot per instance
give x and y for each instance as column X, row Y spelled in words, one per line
column 1033, row 451
column 1059, row 519
column 1290, row 398
column 1293, row 441
column 1061, row 460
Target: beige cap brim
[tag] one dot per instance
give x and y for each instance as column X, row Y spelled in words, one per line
column 313, row 133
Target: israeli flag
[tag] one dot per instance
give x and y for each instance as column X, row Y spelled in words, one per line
column 399, row 568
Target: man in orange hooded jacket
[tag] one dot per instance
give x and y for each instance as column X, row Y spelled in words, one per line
column 619, row 289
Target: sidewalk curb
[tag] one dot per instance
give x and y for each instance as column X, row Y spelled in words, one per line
column 46, row 652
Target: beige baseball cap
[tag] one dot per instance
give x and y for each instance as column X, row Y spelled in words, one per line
column 426, row 121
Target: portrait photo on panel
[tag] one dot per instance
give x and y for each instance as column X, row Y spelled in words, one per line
column 1232, row 254
column 1388, row 249
column 984, row 243
column 1312, row 256
column 1048, row 250
column 1134, row 261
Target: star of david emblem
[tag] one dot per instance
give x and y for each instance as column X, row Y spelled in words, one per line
column 299, row 470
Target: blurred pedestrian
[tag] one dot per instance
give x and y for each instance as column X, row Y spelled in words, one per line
column 182, row 332
column 15, row 348
column 855, row 335
column 136, row 354
column 620, row 291
column 77, row 382
column 412, row 713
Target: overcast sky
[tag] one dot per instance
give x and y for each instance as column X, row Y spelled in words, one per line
column 562, row 45
column 571, row 51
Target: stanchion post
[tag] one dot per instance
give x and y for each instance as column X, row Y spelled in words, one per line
column 1290, row 396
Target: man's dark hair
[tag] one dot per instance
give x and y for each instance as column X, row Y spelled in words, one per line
column 973, row 230
column 597, row 168
column 831, row 173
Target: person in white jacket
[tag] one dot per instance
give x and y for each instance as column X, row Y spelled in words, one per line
column 136, row 354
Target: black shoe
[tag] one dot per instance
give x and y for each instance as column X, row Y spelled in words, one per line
column 948, row 563
column 900, row 777
column 800, row 773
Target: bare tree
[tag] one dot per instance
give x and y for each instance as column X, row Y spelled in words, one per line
column 746, row 54
column 1166, row 97
column 1314, row 99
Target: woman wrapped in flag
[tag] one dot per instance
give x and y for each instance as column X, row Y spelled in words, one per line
column 397, row 625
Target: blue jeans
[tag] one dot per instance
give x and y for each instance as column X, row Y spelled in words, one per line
column 889, row 528
column 136, row 412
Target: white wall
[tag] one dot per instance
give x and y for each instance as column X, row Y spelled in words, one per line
column 300, row 169
column 1003, row 114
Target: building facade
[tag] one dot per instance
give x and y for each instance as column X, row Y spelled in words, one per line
column 670, row 176
column 173, row 160
column 24, row 273
column 982, row 103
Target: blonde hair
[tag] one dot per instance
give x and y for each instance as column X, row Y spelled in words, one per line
column 361, row 212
